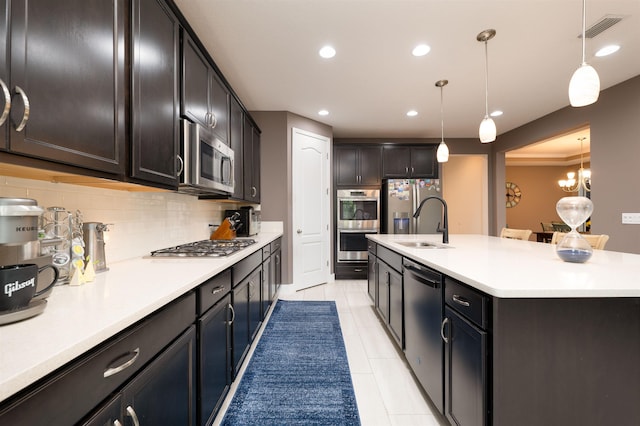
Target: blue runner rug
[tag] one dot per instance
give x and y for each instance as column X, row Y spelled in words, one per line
column 298, row 374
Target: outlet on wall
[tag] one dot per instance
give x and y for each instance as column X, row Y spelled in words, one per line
column 631, row 218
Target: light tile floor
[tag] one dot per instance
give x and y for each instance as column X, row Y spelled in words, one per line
column 386, row 391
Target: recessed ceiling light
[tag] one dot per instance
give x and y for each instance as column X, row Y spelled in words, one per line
column 607, row 50
column 421, row 50
column 412, row 113
column 323, row 112
column 327, row 52
column 496, row 113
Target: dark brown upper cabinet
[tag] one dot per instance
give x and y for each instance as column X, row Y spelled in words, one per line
column 357, row 165
column 205, row 99
column 154, row 93
column 251, row 162
column 236, row 124
column 400, row 162
column 5, row 96
column 68, row 82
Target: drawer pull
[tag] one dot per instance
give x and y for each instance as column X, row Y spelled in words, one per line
column 444, row 322
column 460, row 300
column 358, row 270
column 132, row 413
column 217, row 290
column 115, row 370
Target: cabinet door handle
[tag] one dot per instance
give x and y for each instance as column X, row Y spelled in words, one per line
column 116, row 422
column 27, row 109
column 460, row 300
column 254, row 191
column 233, row 314
column 444, row 322
column 132, row 413
column 180, row 165
column 7, row 102
column 115, row 370
column 214, row 121
column 217, row 290
column 406, row 169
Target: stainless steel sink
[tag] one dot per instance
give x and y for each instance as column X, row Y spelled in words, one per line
column 423, row 244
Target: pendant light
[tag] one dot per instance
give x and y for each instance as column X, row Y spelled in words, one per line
column 487, row 131
column 443, row 150
column 584, row 87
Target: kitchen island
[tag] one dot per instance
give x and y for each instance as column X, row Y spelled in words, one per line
column 79, row 319
column 527, row 339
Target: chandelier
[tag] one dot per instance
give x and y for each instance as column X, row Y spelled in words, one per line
column 571, row 184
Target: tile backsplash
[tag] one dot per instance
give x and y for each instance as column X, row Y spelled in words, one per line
column 141, row 221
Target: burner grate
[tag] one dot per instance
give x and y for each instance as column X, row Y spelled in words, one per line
column 204, row 248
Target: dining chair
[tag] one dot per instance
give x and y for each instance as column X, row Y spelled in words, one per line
column 560, row 227
column 596, row 241
column 516, row 234
column 547, row 226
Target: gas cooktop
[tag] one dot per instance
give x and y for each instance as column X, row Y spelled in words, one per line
column 204, row 248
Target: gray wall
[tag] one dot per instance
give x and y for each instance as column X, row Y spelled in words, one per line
column 615, row 154
column 276, row 172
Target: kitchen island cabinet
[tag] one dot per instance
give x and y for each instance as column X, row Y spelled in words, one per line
column 558, row 344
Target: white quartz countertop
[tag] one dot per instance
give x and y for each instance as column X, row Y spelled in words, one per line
column 77, row 318
column 508, row 268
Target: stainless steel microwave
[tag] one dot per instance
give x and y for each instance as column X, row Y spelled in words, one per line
column 208, row 162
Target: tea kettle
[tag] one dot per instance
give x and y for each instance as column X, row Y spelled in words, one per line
column 93, row 235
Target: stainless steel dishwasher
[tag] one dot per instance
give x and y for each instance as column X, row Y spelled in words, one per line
column 424, row 348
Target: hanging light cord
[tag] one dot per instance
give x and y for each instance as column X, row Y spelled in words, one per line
column 441, row 113
column 486, row 79
column 584, row 25
column 581, row 141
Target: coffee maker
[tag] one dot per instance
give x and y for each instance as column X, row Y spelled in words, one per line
column 19, row 244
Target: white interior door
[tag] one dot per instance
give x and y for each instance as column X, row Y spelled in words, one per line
column 310, row 157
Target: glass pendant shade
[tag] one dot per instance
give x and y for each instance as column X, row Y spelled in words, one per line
column 487, row 130
column 443, row 152
column 584, row 87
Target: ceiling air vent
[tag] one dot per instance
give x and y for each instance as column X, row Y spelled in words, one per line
column 604, row 23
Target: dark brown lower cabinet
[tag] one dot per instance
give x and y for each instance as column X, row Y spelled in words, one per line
column 161, row 394
column 246, row 304
column 465, row 371
column 214, row 359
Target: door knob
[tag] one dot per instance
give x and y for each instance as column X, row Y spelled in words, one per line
column 299, row 231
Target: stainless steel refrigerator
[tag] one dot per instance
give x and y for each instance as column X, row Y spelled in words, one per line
column 400, row 199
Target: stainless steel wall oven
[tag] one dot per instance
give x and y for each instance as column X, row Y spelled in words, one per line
column 358, row 214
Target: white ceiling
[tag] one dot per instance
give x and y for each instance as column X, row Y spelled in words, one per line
column 268, row 51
